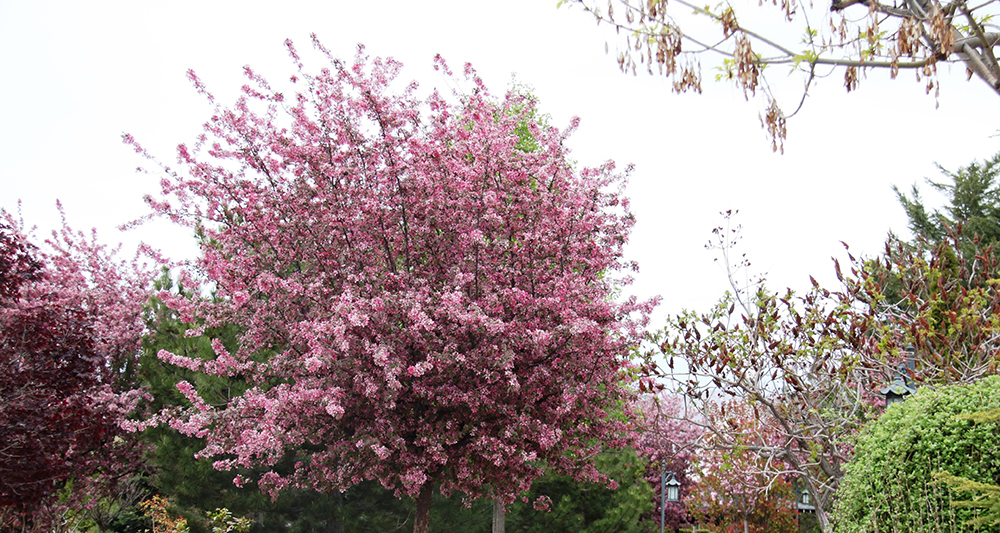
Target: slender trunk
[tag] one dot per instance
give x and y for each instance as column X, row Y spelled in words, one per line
column 499, row 518
column 746, row 526
column 422, row 522
column 823, row 519
column 820, row 506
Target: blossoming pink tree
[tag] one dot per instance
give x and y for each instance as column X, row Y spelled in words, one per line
column 670, row 440
column 70, row 324
column 737, row 491
column 426, row 287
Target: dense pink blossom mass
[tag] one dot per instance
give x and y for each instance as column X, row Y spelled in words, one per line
column 428, row 288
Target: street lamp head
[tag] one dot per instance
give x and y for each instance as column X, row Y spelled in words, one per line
column 899, row 389
column 673, row 489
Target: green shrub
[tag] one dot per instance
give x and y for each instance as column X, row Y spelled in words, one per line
column 888, row 486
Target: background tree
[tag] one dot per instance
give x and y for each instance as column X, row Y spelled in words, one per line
column 793, row 360
column 920, row 280
column 668, row 440
column 736, row 490
column 889, row 486
column 558, row 503
column 70, row 321
column 855, row 36
column 972, row 207
column 48, row 362
column 935, row 306
column 438, row 302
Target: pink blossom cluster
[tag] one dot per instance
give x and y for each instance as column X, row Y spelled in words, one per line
column 83, row 273
column 423, row 301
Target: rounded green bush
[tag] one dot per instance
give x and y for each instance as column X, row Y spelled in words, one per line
column 888, row 486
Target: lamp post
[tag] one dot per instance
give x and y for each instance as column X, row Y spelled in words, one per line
column 670, row 491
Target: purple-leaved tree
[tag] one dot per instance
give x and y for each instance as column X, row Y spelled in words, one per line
column 426, row 288
column 70, row 324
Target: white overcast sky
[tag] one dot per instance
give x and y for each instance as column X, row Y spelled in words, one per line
column 76, row 75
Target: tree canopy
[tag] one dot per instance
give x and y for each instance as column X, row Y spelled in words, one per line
column 421, row 302
column 972, row 206
column 934, row 294
column 788, row 365
column 736, row 490
column 49, row 365
column 669, row 441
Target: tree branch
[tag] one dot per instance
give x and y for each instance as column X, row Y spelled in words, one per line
column 987, row 50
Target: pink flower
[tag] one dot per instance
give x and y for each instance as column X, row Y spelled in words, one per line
column 543, row 503
column 335, row 410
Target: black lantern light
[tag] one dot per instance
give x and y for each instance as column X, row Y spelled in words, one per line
column 899, row 389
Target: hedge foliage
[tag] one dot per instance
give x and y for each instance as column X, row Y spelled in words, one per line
column 889, row 485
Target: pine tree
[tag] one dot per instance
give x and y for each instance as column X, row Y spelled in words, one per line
column 972, row 202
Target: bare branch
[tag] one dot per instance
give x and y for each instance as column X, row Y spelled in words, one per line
column 914, row 35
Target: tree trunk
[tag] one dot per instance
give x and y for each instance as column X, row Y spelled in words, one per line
column 746, row 526
column 820, row 505
column 422, row 522
column 499, row 518
column 823, row 519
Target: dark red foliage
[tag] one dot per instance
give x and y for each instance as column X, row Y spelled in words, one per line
column 17, row 266
column 49, row 420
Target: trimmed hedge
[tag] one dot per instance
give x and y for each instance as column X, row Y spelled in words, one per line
column 888, row 483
